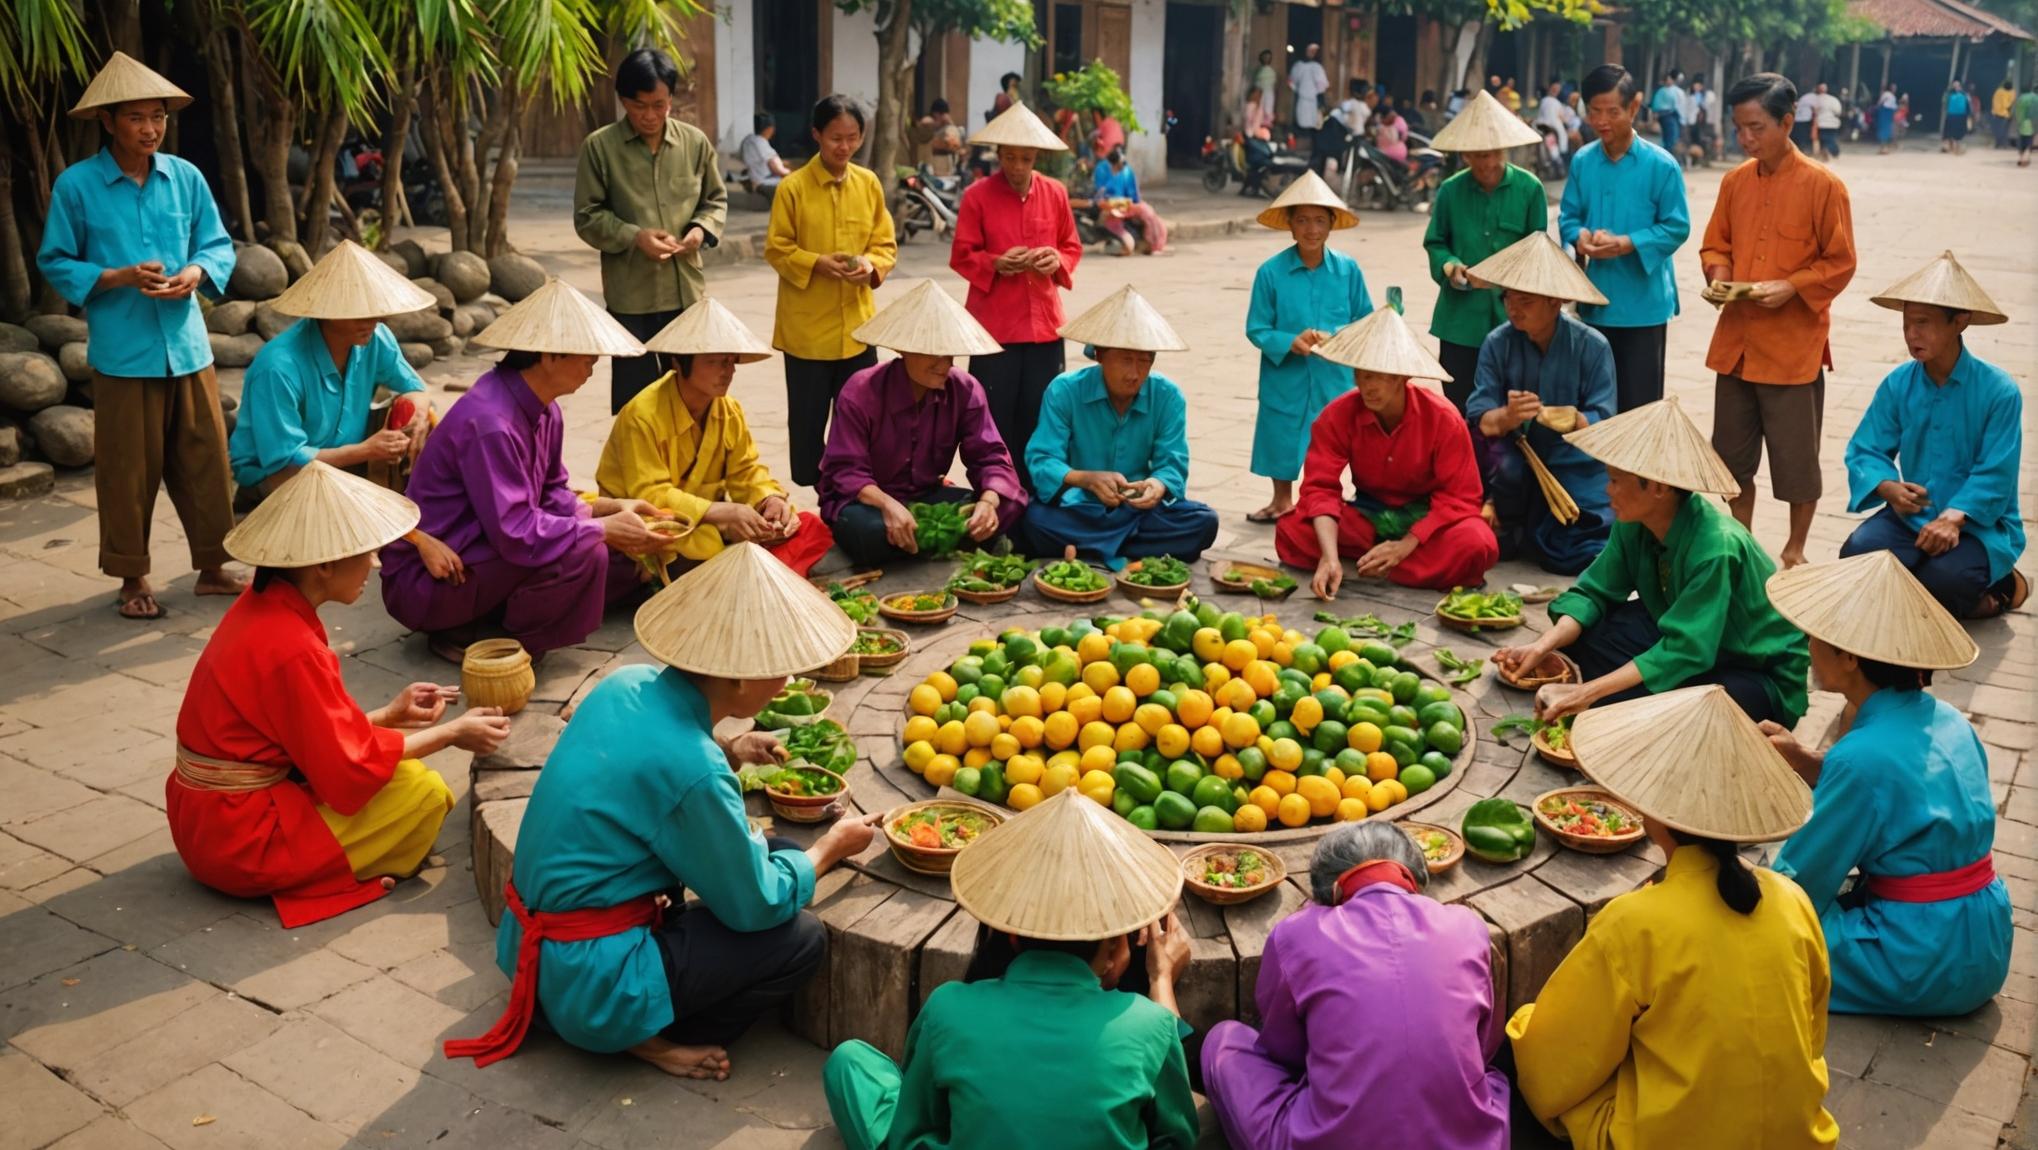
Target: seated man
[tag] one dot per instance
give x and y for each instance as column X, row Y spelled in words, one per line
column 1540, row 375
column 1110, row 458
column 898, row 427
column 1939, row 448
column 683, row 446
column 762, row 167
column 1414, row 517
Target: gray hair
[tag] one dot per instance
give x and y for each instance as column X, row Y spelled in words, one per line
column 1351, row 844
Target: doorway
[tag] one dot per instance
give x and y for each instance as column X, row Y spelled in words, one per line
column 1395, row 57
column 788, row 70
column 1191, row 83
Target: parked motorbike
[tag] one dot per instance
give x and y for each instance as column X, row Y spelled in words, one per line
column 1369, row 179
column 927, row 202
column 1224, row 162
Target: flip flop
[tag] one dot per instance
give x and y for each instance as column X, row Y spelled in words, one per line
column 120, row 608
column 1265, row 516
column 1993, row 604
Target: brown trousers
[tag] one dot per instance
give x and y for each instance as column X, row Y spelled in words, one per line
column 152, row 433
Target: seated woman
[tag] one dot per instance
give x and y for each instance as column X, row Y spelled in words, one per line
column 1390, row 134
column 637, row 804
column 1414, row 518
column 1903, row 797
column 1051, row 1054
column 1308, row 1078
column 1116, row 188
column 899, row 426
column 1693, row 1012
column 1701, row 613
column 283, row 786
column 684, row 447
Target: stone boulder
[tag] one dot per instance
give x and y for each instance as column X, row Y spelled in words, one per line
column 419, row 327
column 10, row 446
column 270, row 323
column 56, row 330
column 476, row 316
column 63, row 434
column 513, row 276
column 27, row 480
column 73, row 362
column 448, row 347
column 396, row 263
column 465, row 273
column 417, row 355
column 415, row 262
column 14, row 338
column 234, row 350
column 228, row 402
column 231, row 317
column 296, row 260
column 439, row 292
column 258, row 273
column 30, row 381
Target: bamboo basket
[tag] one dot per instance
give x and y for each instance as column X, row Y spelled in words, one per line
column 809, row 808
column 1061, row 596
column 875, row 662
column 1142, row 590
column 1589, row 844
column 844, row 669
column 938, row 615
column 1474, row 626
column 1192, row 870
column 1564, row 671
column 497, row 673
column 986, row 598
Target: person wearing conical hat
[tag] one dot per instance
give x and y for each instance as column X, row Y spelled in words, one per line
column 284, row 787
column 1300, row 296
column 683, row 445
column 132, row 237
column 1048, row 1052
column 899, row 427
column 1110, row 461
column 639, row 806
column 1938, row 453
column 1689, row 1000
column 1903, row 798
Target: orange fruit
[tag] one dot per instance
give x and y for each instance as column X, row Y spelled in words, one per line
column 1097, row 759
column 1119, row 703
column 1380, row 766
column 1293, row 811
column 1130, row 737
column 1263, row 677
column 1097, row 785
column 1264, row 641
column 1336, row 777
column 1086, row 710
column 1227, row 767
column 1096, row 735
column 1286, row 754
column 1248, row 819
column 1060, row 730
column 1266, row 798
column 1208, row 644
column 1241, row 731
column 1192, row 708
column 984, row 705
column 924, row 699
column 1023, row 795
column 919, row 729
column 1363, row 738
column 1356, row 787
column 918, row 755
column 1151, row 717
column 941, row 770
column 1144, row 679
column 1307, row 713
column 1350, row 810
column 952, row 738
column 1094, row 647
column 1024, row 769
column 1238, row 695
column 1380, row 798
column 976, row 757
column 1322, row 796
column 1238, row 653
column 980, row 727
column 1282, row 782
column 1172, row 740
column 1053, row 697
column 1283, row 656
column 1100, row 677
column 944, row 683
column 1207, row 741
column 1058, row 779
column 1399, row 789
column 1021, row 701
column 1004, row 746
column 1028, row 732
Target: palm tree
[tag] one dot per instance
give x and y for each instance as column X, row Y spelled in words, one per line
column 447, row 41
column 42, row 48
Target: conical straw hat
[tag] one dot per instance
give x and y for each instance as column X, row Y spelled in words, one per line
column 560, row 320
column 708, row 328
column 1870, row 606
column 927, row 321
column 320, row 515
column 1067, row 870
column 1018, row 127
column 1484, row 125
column 125, row 78
column 1658, row 441
column 1536, row 265
column 743, row 615
column 1694, row 761
column 350, row 283
column 1945, row 283
column 1382, row 342
column 1308, row 191
column 1124, row 320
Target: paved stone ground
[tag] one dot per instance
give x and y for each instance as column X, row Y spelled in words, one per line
column 140, row 1010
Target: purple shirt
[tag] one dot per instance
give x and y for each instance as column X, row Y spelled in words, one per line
column 881, row 436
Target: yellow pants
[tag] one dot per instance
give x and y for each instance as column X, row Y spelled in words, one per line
column 394, row 832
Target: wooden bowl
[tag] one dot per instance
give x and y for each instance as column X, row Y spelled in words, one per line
column 938, row 615
column 874, row 662
column 932, row 860
column 1589, row 844
column 809, row 808
column 1552, row 755
column 1472, row 625
column 844, row 669
column 1452, row 857
column 984, row 598
column 1556, row 667
column 1192, row 870
column 497, row 673
column 1156, row 591
column 1251, row 571
column 1059, row 595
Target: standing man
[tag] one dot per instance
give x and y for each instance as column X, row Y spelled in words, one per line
column 132, row 235
column 1804, row 123
column 1308, row 81
column 1667, row 105
column 1624, row 211
column 2000, row 104
column 1784, row 227
column 1958, row 106
column 649, row 197
column 1826, row 121
column 2024, row 121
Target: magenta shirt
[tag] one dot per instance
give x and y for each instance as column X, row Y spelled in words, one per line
column 881, row 436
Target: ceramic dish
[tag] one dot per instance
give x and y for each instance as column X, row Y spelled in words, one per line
column 1453, row 845
column 1196, row 864
column 815, row 808
column 1589, row 843
column 928, row 857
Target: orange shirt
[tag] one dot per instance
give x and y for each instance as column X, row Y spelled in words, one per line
column 1792, row 224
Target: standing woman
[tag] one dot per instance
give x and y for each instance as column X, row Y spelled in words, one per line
column 830, row 241
column 1885, row 119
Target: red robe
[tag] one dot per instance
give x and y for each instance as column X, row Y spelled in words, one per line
column 993, row 219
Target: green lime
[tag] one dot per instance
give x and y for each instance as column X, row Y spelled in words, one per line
column 1417, row 778
column 1445, row 738
column 1431, row 692
column 1262, row 712
column 1232, row 626
column 1123, row 802
column 1164, row 698
column 1400, row 716
column 1144, row 818
column 967, row 692
column 997, row 663
column 1329, row 736
column 1281, row 729
column 1334, row 639
column 1054, row 637
column 1174, row 810
column 1439, row 764
column 1020, row 650
column 1405, row 685
column 1441, row 711
column 1183, row 775
column 993, row 685
column 1351, row 761
column 968, row 780
column 1378, row 654
column 1212, row 791
column 1353, row 676
column 1143, row 785
column 1309, row 658
column 1213, row 820
column 994, row 788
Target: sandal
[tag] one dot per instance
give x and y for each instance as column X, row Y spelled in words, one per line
column 150, row 614
column 1265, row 516
column 1994, row 603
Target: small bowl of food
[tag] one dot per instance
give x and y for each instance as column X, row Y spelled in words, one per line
column 926, row 836
column 919, row 606
column 1588, row 819
column 1556, row 667
column 1472, row 610
column 1226, row 875
column 1072, row 581
column 1161, row 575
column 805, row 794
column 879, row 647
column 1552, row 743
column 1237, row 578
column 1441, row 847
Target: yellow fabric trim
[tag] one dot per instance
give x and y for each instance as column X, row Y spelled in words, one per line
column 394, row 832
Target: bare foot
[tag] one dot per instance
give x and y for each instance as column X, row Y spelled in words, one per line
column 1272, row 511
column 138, row 601
column 1792, row 557
column 700, row 1062
column 219, row 581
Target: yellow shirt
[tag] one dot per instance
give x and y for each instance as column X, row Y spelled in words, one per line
column 815, row 215
column 1678, row 1022
column 658, row 453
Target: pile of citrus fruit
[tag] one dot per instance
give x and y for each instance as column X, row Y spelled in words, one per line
column 1197, row 720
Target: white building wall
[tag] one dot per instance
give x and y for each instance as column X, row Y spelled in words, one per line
column 1148, row 149
column 735, row 72
column 988, row 60
column 855, row 55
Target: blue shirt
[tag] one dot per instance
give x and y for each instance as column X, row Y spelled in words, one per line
column 1640, row 196
column 1956, row 104
column 1576, row 371
column 295, row 402
column 100, row 219
column 1119, row 184
column 1079, row 430
column 1961, row 442
column 1664, row 102
column 1289, row 297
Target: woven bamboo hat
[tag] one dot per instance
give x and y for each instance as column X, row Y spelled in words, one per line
column 1382, row 342
column 1658, row 441
column 125, row 78
column 1126, row 321
column 927, row 321
column 1484, row 125
column 560, row 320
column 1943, row 283
column 1308, row 191
column 350, row 283
column 1870, row 606
column 319, row 515
column 1067, row 870
column 743, row 615
column 708, row 328
column 1692, row 760
column 1018, row 127
column 1536, row 265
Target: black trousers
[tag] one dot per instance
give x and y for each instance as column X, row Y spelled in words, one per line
column 1462, row 362
column 722, row 980
column 811, row 386
column 1638, row 361
column 1628, row 630
column 860, row 528
column 629, row 375
column 1015, row 380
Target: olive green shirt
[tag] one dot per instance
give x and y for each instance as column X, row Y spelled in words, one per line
column 623, row 187
column 1466, row 225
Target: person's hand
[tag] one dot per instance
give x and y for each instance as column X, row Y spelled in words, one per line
column 901, row 529
column 1457, row 274
column 832, row 267
column 418, row 705
column 481, row 730
column 780, row 514
column 657, row 243
column 420, row 427
column 143, row 276
column 1556, row 700
column 1939, row 536
column 1305, row 342
column 739, row 522
column 1330, row 575
column 756, row 747
column 1801, row 759
column 175, row 287
column 1385, row 557
column 1013, row 262
column 1046, row 261
column 859, row 271
column 1714, row 273
column 625, row 531
column 848, row 837
column 385, row 446
column 691, row 242
column 1522, row 406
column 1517, row 661
column 1773, row 293
column 983, row 519
column 1108, row 486
column 441, row 562
column 1167, row 950
column 1148, row 493
column 1904, row 498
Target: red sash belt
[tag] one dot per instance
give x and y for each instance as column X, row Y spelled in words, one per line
column 507, row 1034
column 1946, row 884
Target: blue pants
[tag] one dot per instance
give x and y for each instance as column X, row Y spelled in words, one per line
column 860, row 528
column 1671, row 123
column 1628, row 630
column 1183, row 529
column 1956, row 579
column 1528, row 530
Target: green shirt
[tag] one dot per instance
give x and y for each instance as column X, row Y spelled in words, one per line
column 2025, row 113
column 1704, row 585
column 1467, row 224
column 623, row 187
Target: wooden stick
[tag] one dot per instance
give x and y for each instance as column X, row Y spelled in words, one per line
column 1561, row 504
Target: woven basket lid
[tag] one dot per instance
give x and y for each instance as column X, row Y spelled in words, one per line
column 558, row 319
column 1536, row 265
column 1382, row 342
column 1869, row 605
column 1692, row 760
column 1018, row 127
column 320, row 515
column 1308, row 191
column 708, row 328
column 1658, row 441
column 1067, row 870
column 125, row 78
column 351, row 283
column 1943, row 283
column 743, row 615
column 927, row 321
column 1126, row 321
column 1484, row 125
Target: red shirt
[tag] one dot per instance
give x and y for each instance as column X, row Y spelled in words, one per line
column 1023, row 308
column 1427, row 455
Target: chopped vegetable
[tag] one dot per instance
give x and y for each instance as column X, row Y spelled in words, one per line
column 823, row 743
column 1473, row 606
column 939, row 828
column 874, row 643
column 938, row 528
column 1557, row 734
column 802, row 783
column 1273, row 588
column 1462, row 670
column 1234, row 870
column 1073, row 575
column 860, row 606
column 1433, row 844
column 1590, row 817
column 1159, row 571
column 982, row 572
column 921, row 601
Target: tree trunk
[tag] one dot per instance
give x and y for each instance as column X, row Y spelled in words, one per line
column 320, row 185
column 395, row 137
column 894, row 81
column 122, row 20
column 226, row 131
column 16, row 289
column 517, row 115
column 476, row 164
column 437, row 131
column 274, row 126
column 1465, row 57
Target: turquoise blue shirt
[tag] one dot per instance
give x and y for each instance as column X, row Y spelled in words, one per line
column 1665, row 100
column 636, row 799
column 100, row 219
column 1641, row 196
column 1961, row 442
column 295, row 402
column 1289, row 297
column 1111, row 183
column 1079, row 430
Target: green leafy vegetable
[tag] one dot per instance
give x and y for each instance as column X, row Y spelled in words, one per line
column 1393, row 522
column 874, row 643
column 860, row 606
column 1273, row 588
column 921, row 601
column 1462, row 670
column 1557, row 734
column 938, row 528
column 1498, row 831
column 1159, row 571
column 1073, row 575
column 823, row 743
column 1473, row 606
column 982, row 571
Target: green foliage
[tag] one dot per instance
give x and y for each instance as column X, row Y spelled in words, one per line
column 1008, row 21
column 1508, row 14
column 321, row 51
column 42, row 45
column 1093, row 88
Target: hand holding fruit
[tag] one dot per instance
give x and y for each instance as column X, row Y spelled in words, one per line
column 1108, row 486
column 778, row 512
column 625, row 531
column 1523, row 407
column 385, row 447
column 1150, row 492
column 1518, row 661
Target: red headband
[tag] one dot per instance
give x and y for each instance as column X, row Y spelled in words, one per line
column 1367, row 873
